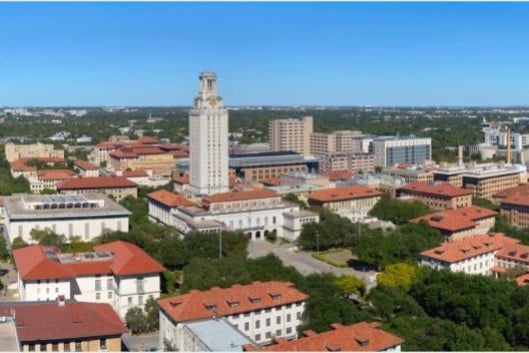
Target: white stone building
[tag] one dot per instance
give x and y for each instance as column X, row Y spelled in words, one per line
column 208, row 140
column 294, row 222
column 87, row 216
column 117, row 273
column 261, row 311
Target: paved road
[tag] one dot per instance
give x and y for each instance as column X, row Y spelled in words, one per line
column 304, row 262
column 141, row 343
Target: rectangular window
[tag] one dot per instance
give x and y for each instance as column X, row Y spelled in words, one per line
column 278, row 333
column 278, row 320
column 269, row 335
column 289, row 330
column 103, row 343
column 78, row 346
column 98, row 284
column 98, row 296
column 268, row 322
column 109, row 295
column 87, row 231
column 129, row 300
column 70, row 229
column 43, row 347
column 288, row 317
column 55, row 346
column 246, row 326
column 66, row 346
column 110, row 283
column 257, row 324
column 140, row 300
column 31, row 347
column 257, row 337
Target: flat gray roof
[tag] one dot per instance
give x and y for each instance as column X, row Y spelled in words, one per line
column 219, row 335
column 16, row 207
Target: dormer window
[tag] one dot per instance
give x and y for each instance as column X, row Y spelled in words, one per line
column 233, row 303
column 255, row 300
column 275, row 296
column 211, row 307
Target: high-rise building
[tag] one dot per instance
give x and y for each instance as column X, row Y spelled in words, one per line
column 390, row 150
column 324, row 144
column 290, row 134
column 208, row 140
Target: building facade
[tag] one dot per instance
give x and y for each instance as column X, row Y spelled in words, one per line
column 291, row 135
column 261, row 311
column 208, row 140
column 352, row 202
column 36, row 150
column 437, row 196
column 119, row 274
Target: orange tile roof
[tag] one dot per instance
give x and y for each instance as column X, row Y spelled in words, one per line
column 85, row 165
column 169, row 199
column 515, row 252
column 456, row 219
column 359, row 337
column 462, row 249
column 96, row 183
column 48, row 321
column 55, row 174
column 239, row 196
column 147, row 140
column 272, row 181
column 438, row 190
column 129, row 259
column 340, row 175
column 228, row 301
column 33, row 263
column 344, row 193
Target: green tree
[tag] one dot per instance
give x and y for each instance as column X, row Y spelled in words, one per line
column 18, row 243
column 4, row 252
column 400, row 276
column 136, row 321
column 152, row 314
column 397, row 211
column 48, row 192
column 47, row 237
column 477, row 201
column 350, row 284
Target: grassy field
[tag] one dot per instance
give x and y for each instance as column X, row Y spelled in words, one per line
column 335, row 257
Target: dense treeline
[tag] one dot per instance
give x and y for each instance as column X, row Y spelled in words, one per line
column 8, row 184
column 397, row 211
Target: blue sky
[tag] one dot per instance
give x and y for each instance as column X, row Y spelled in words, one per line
column 265, row 53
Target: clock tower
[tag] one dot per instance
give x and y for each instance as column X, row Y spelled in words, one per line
column 208, row 140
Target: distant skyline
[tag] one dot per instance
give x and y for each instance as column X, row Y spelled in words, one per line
column 265, row 54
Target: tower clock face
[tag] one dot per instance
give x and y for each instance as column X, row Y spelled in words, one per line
column 212, row 101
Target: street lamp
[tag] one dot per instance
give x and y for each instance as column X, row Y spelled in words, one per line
column 317, row 242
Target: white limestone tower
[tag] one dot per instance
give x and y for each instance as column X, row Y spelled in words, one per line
column 208, row 140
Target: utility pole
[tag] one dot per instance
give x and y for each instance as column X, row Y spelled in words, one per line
column 317, row 242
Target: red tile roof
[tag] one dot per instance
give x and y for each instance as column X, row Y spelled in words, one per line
column 253, row 194
column 359, row 337
column 169, row 199
column 85, row 165
column 518, row 190
column 174, row 147
column 228, row 301
column 49, row 321
column 523, row 280
column 272, row 181
column 459, row 250
column 129, row 259
column 516, row 199
column 437, row 190
column 456, row 219
column 33, row 263
column 344, row 193
column 96, row 183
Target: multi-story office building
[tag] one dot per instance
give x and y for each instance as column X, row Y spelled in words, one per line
column 351, row 162
column 362, row 143
column 359, row 337
column 117, row 187
column 261, row 311
column 86, row 169
column 87, row 216
column 291, row 135
column 208, row 140
column 143, row 157
column 485, row 179
column 118, row 273
column 391, row 150
column 49, row 179
column 324, row 144
column 455, row 224
column 353, row 202
column 37, row 150
column 61, row 326
column 437, row 196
